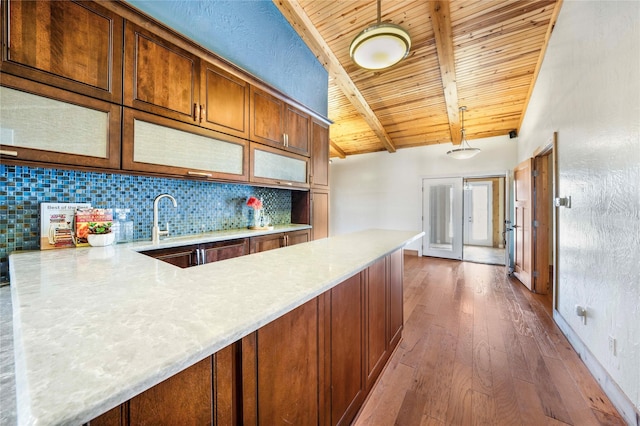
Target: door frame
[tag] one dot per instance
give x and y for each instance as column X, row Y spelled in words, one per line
column 507, row 174
column 542, row 201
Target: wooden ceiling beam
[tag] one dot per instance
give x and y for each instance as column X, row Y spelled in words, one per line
column 295, row 14
column 443, row 34
column 337, row 149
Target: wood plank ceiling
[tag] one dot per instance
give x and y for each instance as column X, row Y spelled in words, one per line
column 482, row 54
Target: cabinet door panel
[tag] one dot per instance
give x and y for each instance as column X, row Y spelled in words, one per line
column 48, row 134
column 159, row 77
column 347, row 350
column 267, row 124
column 319, row 155
column 226, row 102
column 183, row 257
column 287, row 368
column 396, row 319
column 70, row 45
column 297, row 128
column 215, row 252
column 376, row 320
column 267, row 242
column 183, row 399
column 320, row 214
column 297, row 237
column 158, row 144
column 276, row 167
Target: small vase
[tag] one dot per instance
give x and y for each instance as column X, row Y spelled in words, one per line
column 256, row 220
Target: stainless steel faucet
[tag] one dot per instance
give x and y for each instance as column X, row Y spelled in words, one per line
column 155, row 231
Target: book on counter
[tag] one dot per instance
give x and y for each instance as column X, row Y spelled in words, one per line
column 57, row 224
column 92, row 221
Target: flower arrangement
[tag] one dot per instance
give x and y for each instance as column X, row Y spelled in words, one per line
column 254, row 203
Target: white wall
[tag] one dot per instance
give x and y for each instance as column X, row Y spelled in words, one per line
column 383, row 190
column 588, row 91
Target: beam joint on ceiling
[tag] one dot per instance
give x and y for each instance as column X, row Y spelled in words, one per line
column 441, row 22
column 338, row 150
column 295, row 14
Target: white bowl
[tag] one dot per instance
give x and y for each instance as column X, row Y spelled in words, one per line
column 101, row 240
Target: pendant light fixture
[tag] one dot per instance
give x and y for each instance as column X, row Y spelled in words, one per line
column 380, row 45
column 465, row 151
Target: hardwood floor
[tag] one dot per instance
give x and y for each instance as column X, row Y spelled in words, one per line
column 479, row 349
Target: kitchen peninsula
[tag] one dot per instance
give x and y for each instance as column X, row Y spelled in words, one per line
column 94, row 327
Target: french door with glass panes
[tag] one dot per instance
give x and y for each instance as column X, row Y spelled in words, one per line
column 442, row 217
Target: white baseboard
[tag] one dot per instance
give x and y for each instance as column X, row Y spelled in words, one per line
column 622, row 403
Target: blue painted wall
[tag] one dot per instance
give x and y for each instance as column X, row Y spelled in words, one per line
column 252, row 35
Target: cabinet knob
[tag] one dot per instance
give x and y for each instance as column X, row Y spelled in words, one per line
column 202, row 112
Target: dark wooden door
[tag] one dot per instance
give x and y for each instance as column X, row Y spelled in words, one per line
column 319, row 155
column 71, row 45
column 320, row 214
column 396, row 297
column 225, row 102
column 297, row 237
column 214, row 252
column 297, row 130
column 183, row 399
column 347, row 379
column 267, row 123
column 160, row 77
column 376, row 320
column 267, row 242
column 281, row 373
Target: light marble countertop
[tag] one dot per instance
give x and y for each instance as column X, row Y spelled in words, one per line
column 96, row 326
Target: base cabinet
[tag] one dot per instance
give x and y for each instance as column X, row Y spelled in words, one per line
column 279, row 240
column 199, row 254
column 312, row 366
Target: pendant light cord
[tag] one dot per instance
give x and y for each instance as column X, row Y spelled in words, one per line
column 379, row 1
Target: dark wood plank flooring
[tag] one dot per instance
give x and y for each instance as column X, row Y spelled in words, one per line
column 479, row 349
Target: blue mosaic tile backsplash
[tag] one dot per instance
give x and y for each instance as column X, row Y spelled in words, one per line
column 202, row 206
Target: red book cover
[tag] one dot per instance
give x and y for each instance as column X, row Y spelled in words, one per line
column 92, row 221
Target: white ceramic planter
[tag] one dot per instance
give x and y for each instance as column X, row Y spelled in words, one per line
column 101, row 240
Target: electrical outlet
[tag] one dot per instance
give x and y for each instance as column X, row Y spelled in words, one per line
column 612, row 345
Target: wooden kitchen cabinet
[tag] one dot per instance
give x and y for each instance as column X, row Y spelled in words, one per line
column 199, row 254
column 282, row 373
column 395, row 262
column 347, row 353
column 225, row 101
column 165, row 146
column 271, row 166
column 53, row 126
column 186, row 398
column 319, row 214
column 222, row 250
column 160, row 77
column 279, row 240
column 75, row 46
column 376, row 320
column 276, row 123
column 319, row 155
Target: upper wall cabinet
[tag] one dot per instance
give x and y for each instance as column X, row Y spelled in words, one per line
column 160, row 77
column 276, row 123
column 66, row 44
column 160, row 145
column 53, row 126
column 225, row 102
column 166, row 80
column 319, row 155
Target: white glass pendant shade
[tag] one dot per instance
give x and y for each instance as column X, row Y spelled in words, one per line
column 463, row 153
column 380, row 46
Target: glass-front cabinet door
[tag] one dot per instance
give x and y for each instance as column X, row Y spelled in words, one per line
column 442, row 217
